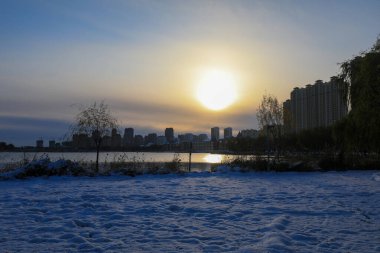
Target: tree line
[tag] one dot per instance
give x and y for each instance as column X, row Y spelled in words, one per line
column 360, row 130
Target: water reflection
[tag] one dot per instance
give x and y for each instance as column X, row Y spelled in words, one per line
column 11, row 157
column 212, row 158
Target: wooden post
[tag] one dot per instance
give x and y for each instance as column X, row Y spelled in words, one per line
column 191, row 147
column 267, row 147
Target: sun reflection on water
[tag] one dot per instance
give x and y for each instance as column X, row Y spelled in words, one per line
column 213, row 158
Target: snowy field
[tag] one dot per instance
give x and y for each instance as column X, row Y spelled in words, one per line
column 198, row 212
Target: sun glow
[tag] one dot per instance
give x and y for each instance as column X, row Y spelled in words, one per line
column 216, row 89
column 213, row 158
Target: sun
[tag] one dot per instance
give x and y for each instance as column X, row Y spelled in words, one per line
column 216, row 89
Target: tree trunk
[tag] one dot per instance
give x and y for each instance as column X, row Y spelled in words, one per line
column 97, row 158
column 279, row 144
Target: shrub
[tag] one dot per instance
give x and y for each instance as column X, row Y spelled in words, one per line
column 176, row 165
column 34, row 169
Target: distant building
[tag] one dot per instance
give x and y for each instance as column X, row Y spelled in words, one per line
column 203, row 137
column 318, row 105
column 200, row 138
column 115, row 139
column 228, row 133
column 169, row 134
column 248, row 133
column 161, row 140
column 138, row 140
column 39, row 143
column 188, row 137
column 81, row 141
column 128, row 138
column 151, row 139
column 5, row 146
column 215, row 134
column 52, row 144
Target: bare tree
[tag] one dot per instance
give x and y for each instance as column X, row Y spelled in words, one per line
column 95, row 121
column 270, row 118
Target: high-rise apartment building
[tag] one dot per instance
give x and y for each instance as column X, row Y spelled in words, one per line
column 128, row 138
column 227, row 133
column 115, row 139
column 169, row 134
column 318, row 105
column 39, row 143
column 215, row 134
column 202, row 137
column 161, row 140
column 138, row 140
column 52, row 144
column 151, row 139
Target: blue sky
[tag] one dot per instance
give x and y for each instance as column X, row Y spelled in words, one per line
column 142, row 58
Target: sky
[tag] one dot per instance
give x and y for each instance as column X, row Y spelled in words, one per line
column 145, row 58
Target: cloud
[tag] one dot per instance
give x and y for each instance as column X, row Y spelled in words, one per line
column 144, row 117
column 26, row 130
column 184, row 118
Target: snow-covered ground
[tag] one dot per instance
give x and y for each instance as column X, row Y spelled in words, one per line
column 197, row 212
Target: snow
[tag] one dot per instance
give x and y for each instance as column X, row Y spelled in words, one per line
column 196, row 212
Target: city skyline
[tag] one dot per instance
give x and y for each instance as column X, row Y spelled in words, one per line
column 135, row 141
column 130, row 134
column 145, row 59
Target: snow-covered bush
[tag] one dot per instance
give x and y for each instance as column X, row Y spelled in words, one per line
column 44, row 167
column 35, row 168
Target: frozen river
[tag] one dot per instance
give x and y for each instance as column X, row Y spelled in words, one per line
column 197, row 212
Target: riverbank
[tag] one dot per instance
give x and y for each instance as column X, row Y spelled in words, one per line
column 45, row 167
column 304, row 163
